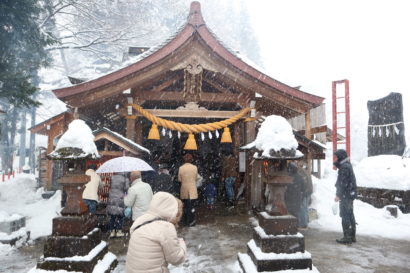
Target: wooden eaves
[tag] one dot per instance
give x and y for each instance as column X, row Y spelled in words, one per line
column 166, row 57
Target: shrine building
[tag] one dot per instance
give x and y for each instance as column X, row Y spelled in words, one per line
column 190, row 94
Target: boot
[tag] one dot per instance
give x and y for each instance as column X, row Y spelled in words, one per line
column 120, row 233
column 354, row 233
column 345, row 241
column 113, row 234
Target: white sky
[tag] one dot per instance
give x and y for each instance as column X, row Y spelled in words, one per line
column 312, row 43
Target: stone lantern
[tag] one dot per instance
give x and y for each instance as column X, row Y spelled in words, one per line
column 276, row 243
column 75, row 243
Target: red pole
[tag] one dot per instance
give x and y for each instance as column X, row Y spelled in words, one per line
column 347, row 109
column 8, row 175
column 13, row 173
column 3, row 177
column 334, row 120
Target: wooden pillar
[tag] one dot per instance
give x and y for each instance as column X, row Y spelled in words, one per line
column 236, row 139
column 130, row 134
column 250, row 180
column 308, row 134
column 49, row 175
column 138, row 130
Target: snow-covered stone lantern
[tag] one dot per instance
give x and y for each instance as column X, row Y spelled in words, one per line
column 276, row 244
column 74, row 147
column 75, row 243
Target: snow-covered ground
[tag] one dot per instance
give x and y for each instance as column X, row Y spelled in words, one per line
column 20, row 196
column 385, row 171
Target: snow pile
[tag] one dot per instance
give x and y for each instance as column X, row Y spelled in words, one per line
column 80, row 136
column 19, row 196
column 275, row 134
column 371, row 221
column 384, row 171
column 5, row 217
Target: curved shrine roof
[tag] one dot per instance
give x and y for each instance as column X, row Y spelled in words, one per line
column 195, row 26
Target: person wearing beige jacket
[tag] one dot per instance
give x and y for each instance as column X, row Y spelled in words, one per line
column 154, row 242
column 187, row 175
column 90, row 193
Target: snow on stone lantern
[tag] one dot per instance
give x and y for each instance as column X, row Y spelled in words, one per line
column 75, row 243
column 276, row 243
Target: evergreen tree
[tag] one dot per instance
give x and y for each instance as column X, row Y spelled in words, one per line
column 22, row 50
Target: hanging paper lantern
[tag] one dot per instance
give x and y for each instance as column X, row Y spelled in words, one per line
column 217, row 133
column 153, row 132
column 191, row 143
column 226, row 136
column 210, row 135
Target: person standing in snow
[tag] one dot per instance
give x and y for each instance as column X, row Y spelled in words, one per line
column 303, row 215
column 163, row 180
column 187, row 176
column 90, row 193
column 115, row 205
column 229, row 176
column 346, row 192
column 139, row 195
column 294, row 192
column 210, row 194
column 154, row 242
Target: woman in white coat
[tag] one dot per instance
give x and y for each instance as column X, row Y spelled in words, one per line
column 90, row 193
column 154, row 242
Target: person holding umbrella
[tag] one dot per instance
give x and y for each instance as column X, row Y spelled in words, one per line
column 115, row 205
column 119, row 186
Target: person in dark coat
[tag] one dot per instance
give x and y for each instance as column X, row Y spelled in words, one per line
column 294, row 192
column 163, row 181
column 115, row 206
column 303, row 216
column 346, row 192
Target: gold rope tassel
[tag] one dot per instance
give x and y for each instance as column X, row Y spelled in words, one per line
column 153, row 132
column 226, row 136
column 191, row 143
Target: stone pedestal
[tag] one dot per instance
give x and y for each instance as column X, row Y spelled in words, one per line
column 276, row 245
column 13, row 229
column 75, row 243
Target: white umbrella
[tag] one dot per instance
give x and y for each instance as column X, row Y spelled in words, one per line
column 124, row 164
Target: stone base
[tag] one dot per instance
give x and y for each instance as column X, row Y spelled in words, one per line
column 275, row 225
column 68, row 246
column 247, row 265
column 74, row 225
column 83, row 264
column 11, row 226
column 275, row 262
column 279, row 243
column 12, row 239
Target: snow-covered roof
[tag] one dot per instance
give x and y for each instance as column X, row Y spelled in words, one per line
column 275, row 139
column 195, row 25
column 76, row 142
column 131, row 143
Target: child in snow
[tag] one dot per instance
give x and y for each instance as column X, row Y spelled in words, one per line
column 210, row 194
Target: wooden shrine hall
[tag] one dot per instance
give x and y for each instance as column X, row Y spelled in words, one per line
column 190, row 89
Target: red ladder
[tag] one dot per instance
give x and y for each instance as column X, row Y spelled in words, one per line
column 335, row 114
